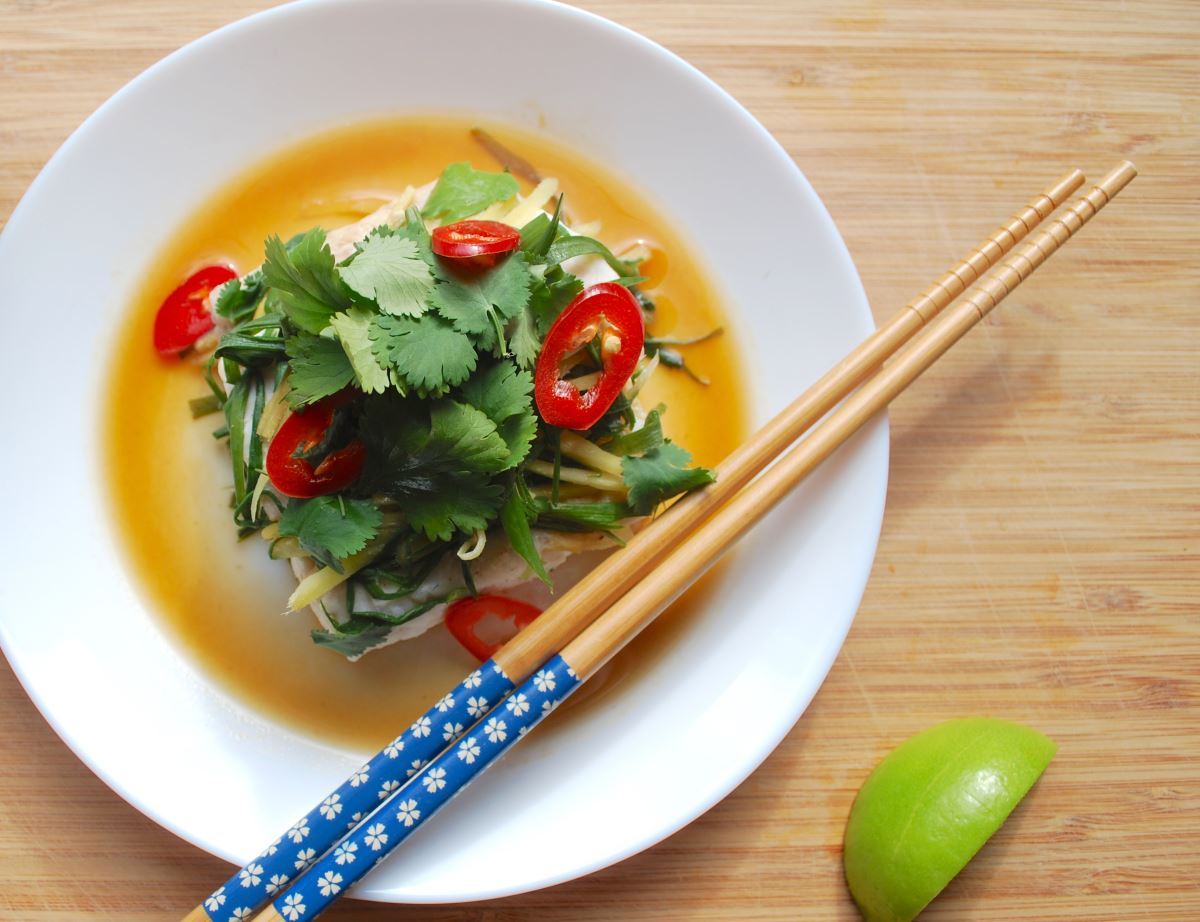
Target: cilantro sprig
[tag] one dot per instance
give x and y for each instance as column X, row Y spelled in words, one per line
column 659, row 474
column 331, row 528
column 463, row 191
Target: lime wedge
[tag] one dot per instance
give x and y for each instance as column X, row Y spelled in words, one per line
column 930, row 805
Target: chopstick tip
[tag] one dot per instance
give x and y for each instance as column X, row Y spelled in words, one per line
column 1065, row 186
column 1120, row 176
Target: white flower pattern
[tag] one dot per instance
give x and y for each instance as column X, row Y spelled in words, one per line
column 216, row 901
column 251, row 874
column 362, row 776
column 435, row 779
column 331, row 806
column 517, row 704
column 477, row 707
column 468, row 750
column 386, row 791
column 421, row 728
column 242, row 912
column 299, row 831
column 375, row 838
column 408, row 813
column 344, row 854
column 496, row 730
column 293, row 907
column 417, row 765
column 275, row 883
column 544, row 680
column 451, row 730
column 395, row 747
column 329, row 883
column 446, row 703
column 304, row 858
column 474, row 680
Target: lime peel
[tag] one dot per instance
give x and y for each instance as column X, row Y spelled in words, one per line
column 930, row 805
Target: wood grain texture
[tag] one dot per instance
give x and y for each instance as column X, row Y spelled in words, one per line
column 1039, row 553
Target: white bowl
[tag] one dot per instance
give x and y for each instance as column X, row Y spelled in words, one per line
column 673, row 739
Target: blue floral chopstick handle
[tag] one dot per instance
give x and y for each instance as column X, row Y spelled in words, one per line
column 431, row 789
column 314, row 833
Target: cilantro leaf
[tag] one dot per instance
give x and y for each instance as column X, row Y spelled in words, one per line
column 435, row 458
column 414, row 229
column 237, row 298
column 462, row 191
column 466, row 435
column 518, row 433
column 305, row 281
column 472, row 506
column 427, row 354
column 475, row 305
column 353, row 644
column 331, row 528
column 319, row 367
column 353, row 329
column 660, row 474
column 523, row 339
column 389, row 270
column 639, row 441
column 500, row 391
column 504, row 394
column 547, row 300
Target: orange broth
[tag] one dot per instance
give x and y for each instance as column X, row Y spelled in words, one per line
column 223, row 599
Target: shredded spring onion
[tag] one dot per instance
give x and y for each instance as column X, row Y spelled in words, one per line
column 473, row 546
column 577, row 448
column 606, row 482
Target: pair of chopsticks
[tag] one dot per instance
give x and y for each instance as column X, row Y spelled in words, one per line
column 383, row 802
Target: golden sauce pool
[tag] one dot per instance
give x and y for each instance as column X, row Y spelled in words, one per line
column 171, row 480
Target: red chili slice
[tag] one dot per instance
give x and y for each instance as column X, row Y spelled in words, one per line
column 470, row 239
column 466, row 617
column 185, row 316
column 609, row 311
column 296, row 477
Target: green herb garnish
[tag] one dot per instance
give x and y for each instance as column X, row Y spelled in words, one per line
column 440, row 362
column 463, row 191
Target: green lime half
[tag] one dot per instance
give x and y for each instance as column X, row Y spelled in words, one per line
column 930, row 805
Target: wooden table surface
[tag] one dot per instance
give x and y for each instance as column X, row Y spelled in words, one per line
column 1039, row 557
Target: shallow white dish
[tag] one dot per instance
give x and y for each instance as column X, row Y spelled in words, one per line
column 672, row 740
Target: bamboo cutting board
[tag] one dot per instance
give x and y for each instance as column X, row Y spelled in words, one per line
column 1038, row 559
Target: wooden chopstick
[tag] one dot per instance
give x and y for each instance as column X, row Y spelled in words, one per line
column 600, row 588
column 432, row 787
column 251, row 886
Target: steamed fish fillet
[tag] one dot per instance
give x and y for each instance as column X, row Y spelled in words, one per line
column 499, row 569
column 341, row 240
